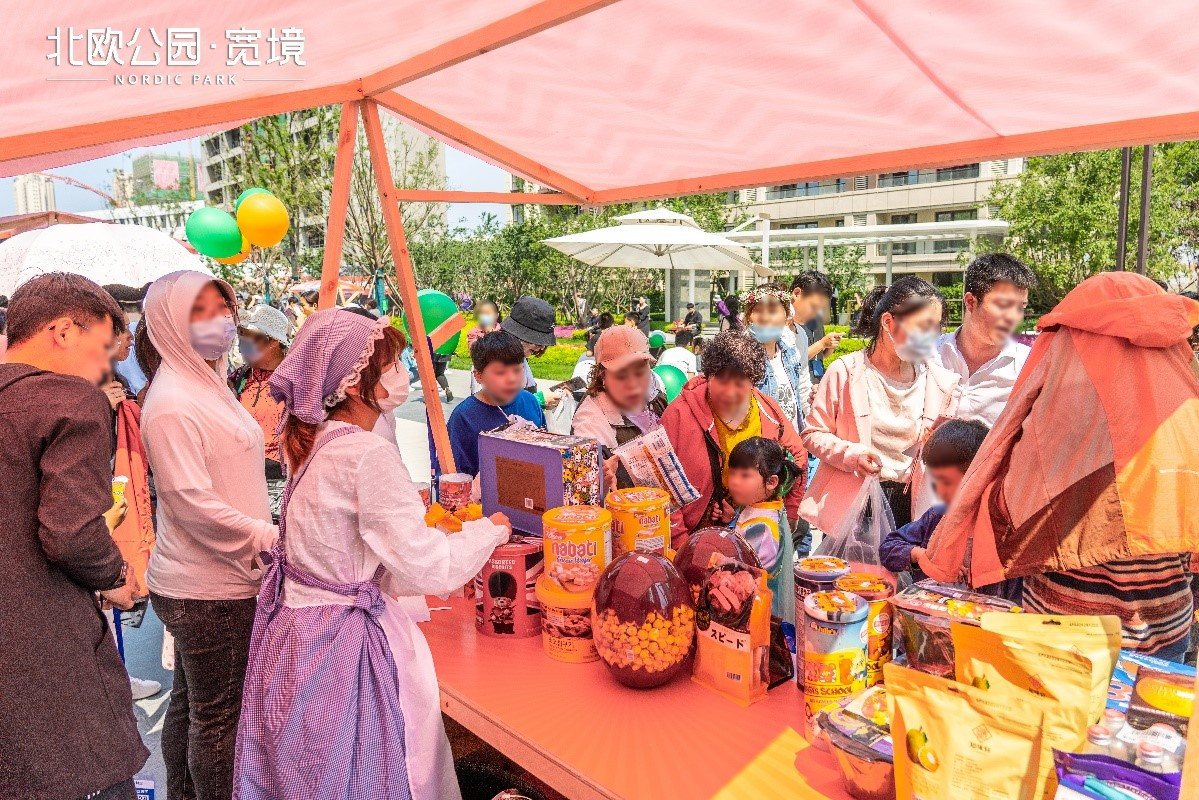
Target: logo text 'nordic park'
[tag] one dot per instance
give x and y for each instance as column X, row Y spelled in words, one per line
column 134, row 58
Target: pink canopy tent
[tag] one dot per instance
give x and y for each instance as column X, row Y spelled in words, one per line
column 607, row 101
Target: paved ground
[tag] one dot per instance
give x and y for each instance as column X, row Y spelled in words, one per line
column 143, row 646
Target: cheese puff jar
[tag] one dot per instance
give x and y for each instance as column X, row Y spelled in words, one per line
column 643, row 620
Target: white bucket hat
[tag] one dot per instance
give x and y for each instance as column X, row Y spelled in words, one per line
column 269, row 321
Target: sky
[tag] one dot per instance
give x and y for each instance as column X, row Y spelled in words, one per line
column 463, row 172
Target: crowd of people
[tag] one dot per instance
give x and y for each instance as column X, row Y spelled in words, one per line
column 287, row 553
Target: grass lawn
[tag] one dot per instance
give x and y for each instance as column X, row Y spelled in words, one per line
column 556, row 365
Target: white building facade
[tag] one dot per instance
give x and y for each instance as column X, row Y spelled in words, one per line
column 33, row 194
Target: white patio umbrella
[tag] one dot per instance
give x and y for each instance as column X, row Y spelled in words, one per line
column 656, row 238
column 130, row 255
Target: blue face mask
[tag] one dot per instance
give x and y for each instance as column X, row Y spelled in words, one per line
column 487, row 320
column 765, row 333
column 249, row 351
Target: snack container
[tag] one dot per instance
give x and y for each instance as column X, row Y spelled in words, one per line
column 643, row 620
column 812, row 574
column 524, row 472
column 876, row 592
column 119, row 484
column 694, row 559
column 859, row 733
column 578, row 546
column 923, row 614
column 453, row 490
column 834, row 651
column 640, row 520
column 426, row 496
column 565, row 623
column 506, row 590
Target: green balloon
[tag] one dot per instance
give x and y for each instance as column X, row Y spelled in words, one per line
column 435, row 308
column 673, row 379
column 214, row 232
column 246, row 194
column 657, row 339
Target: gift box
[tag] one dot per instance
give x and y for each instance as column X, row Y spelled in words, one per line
column 524, row 472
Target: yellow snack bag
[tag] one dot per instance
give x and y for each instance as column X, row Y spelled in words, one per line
column 1097, row 638
column 955, row 742
column 732, row 623
column 1058, row 681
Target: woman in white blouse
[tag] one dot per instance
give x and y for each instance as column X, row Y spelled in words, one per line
column 341, row 697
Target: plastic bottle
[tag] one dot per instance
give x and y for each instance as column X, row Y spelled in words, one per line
column 1149, row 757
column 1099, row 741
column 1113, row 719
column 1172, row 743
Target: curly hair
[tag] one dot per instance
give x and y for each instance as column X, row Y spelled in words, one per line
column 736, row 355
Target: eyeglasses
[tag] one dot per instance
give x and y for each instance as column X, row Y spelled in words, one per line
column 112, row 347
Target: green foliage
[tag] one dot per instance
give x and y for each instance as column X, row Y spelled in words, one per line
column 845, row 266
column 557, row 364
column 1063, row 212
column 846, row 347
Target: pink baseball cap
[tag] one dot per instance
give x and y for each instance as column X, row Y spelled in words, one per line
column 619, row 346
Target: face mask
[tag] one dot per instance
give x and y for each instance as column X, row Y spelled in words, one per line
column 917, row 347
column 249, row 351
column 395, row 383
column 212, row 338
column 765, row 333
column 486, row 320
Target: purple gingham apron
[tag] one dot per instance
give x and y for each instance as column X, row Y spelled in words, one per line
column 320, row 714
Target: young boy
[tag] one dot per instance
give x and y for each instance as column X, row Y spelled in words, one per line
column 499, row 368
column 947, row 454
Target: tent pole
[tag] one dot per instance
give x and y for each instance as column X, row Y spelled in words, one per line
column 1122, row 225
column 339, row 200
column 406, row 281
column 1143, row 228
column 890, row 272
column 820, row 254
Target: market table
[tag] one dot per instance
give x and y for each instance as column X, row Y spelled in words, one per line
column 587, row 736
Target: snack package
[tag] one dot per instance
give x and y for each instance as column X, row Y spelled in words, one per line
column 923, row 613
column 1161, row 697
column 1058, row 681
column 1125, row 676
column 732, row 622
column 651, row 461
column 1097, row 638
column 955, row 742
column 1094, row 777
column 835, row 642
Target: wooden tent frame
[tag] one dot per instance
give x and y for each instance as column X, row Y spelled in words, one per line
column 390, row 198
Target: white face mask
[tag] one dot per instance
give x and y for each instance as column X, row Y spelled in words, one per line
column 212, row 338
column 395, row 382
column 917, row 346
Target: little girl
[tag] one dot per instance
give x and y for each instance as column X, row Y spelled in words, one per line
column 760, row 475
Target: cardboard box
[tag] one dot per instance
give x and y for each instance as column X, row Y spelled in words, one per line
column 524, row 472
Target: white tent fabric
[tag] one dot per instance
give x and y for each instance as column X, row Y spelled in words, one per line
column 610, row 101
column 129, row 255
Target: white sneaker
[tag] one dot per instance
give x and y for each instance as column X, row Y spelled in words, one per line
column 142, row 688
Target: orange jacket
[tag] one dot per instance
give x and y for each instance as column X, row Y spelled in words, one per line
column 1096, row 456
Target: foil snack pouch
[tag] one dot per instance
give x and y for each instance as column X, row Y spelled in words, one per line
column 955, row 742
column 1097, row 638
column 1056, row 680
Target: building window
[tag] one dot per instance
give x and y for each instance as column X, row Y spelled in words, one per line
column 957, row 215
column 902, row 248
column 808, row 189
column 915, row 176
column 839, row 223
column 793, row 226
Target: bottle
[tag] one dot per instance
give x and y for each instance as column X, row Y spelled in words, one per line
column 1099, row 741
column 1149, row 757
column 1113, row 719
column 1171, row 742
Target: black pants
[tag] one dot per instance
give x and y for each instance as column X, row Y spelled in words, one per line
column 121, row 791
column 212, row 645
column 901, row 501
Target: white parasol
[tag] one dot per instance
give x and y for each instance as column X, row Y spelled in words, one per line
column 129, row 255
column 656, row 238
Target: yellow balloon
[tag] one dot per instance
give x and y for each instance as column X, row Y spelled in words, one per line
column 262, row 219
column 238, row 257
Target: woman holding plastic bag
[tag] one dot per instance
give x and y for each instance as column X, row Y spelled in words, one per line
column 875, row 408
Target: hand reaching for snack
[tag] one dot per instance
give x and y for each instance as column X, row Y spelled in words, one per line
column 610, row 467
column 501, row 519
column 116, row 515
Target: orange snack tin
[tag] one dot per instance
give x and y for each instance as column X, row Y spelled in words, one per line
column 640, row 520
column 578, row 546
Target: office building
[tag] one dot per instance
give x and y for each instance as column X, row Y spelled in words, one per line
column 34, row 194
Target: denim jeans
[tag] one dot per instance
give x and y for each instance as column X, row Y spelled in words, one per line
column 212, row 645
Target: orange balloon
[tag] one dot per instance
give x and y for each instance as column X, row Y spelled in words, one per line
column 238, row 257
column 262, row 219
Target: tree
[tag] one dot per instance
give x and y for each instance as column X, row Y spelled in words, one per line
column 1063, row 215
column 291, row 156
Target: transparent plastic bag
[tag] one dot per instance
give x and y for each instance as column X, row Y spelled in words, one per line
column 859, row 535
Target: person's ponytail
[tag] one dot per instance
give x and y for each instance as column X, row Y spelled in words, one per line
column 867, row 327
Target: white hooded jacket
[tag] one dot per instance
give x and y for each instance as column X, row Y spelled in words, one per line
column 205, row 451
